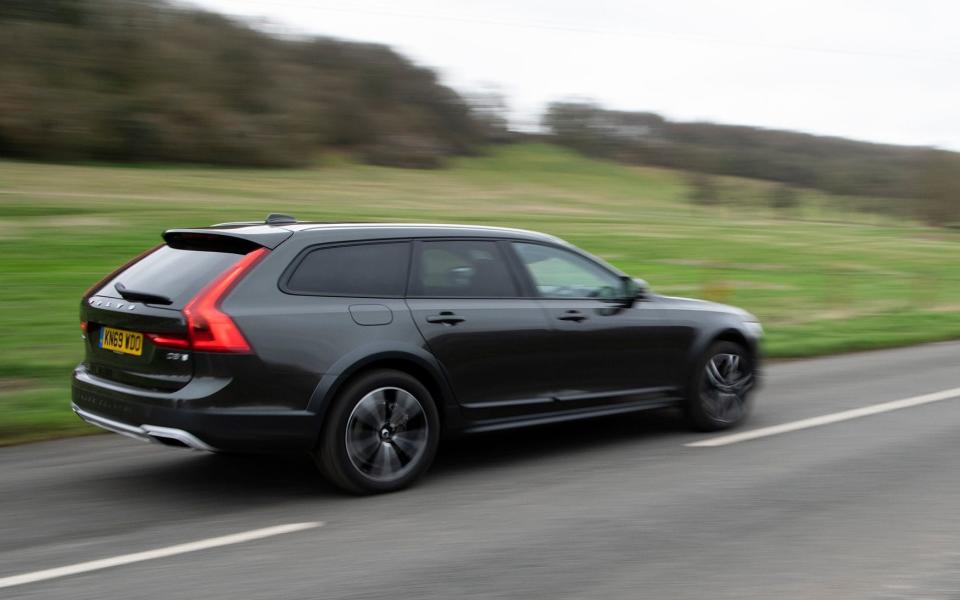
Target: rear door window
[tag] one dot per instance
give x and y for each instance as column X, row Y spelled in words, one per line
column 359, row 270
column 462, row 269
column 172, row 273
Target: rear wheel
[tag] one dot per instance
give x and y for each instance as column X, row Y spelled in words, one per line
column 718, row 395
column 380, row 434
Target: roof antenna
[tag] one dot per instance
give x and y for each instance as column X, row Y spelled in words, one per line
column 279, row 219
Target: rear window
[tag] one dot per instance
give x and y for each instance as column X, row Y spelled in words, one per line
column 356, row 270
column 174, row 273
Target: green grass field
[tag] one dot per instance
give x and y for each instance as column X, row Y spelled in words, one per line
column 823, row 278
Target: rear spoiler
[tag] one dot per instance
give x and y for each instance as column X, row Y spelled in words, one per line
column 240, row 240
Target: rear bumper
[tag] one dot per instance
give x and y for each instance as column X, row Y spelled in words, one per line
column 170, row 420
column 147, row 433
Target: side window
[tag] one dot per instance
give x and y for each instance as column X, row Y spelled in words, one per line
column 466, row 269
column 357, row 270
column 557, row 273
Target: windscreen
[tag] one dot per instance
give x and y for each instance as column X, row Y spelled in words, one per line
column 172, row 273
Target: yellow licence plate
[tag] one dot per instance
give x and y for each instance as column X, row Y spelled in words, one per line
column 119, row 340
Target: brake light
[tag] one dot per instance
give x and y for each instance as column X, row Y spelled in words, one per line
column 119, row 270
column 209, row 328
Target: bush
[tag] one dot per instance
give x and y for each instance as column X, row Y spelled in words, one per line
column 409, row 151
column 784, row 197
column 703, row 190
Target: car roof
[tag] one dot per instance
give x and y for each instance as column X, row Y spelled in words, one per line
column 278, row 228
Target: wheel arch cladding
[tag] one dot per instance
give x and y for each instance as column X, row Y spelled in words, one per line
column 732, row 335
column 424, row 369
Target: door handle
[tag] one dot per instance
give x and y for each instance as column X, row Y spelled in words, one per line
column 573, row 315
column 446, row 318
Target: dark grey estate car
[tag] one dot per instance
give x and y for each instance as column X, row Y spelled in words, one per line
column 363, row 343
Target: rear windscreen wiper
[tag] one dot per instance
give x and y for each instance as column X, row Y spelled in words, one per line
column 135, row 296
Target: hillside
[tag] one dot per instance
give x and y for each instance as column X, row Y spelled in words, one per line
column 157, row 81
column 916, row 181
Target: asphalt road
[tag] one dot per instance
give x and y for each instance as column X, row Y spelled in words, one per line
column 614, row 508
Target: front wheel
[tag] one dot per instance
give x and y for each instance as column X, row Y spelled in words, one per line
column 380, row 434
column 718, row 395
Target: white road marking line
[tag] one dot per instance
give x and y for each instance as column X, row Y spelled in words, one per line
column 126, row 559
column 856, row 413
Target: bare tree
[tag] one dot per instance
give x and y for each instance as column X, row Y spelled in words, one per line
column 490, row 110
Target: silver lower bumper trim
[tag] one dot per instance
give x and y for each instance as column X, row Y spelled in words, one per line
column 147, row 433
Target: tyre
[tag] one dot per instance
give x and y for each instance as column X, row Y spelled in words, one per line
column 380, row 434
column 718, row 394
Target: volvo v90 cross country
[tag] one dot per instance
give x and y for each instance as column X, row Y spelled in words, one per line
column 363, row 343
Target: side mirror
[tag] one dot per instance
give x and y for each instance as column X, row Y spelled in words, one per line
column 633, row 290
column 641, row 289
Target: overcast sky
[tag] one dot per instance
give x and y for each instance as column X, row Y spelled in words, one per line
column 879, row 70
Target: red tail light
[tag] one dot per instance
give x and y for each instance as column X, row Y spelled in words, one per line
column 209, row 328
column 119, row 270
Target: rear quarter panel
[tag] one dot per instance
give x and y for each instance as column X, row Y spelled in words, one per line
column 305, row 340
